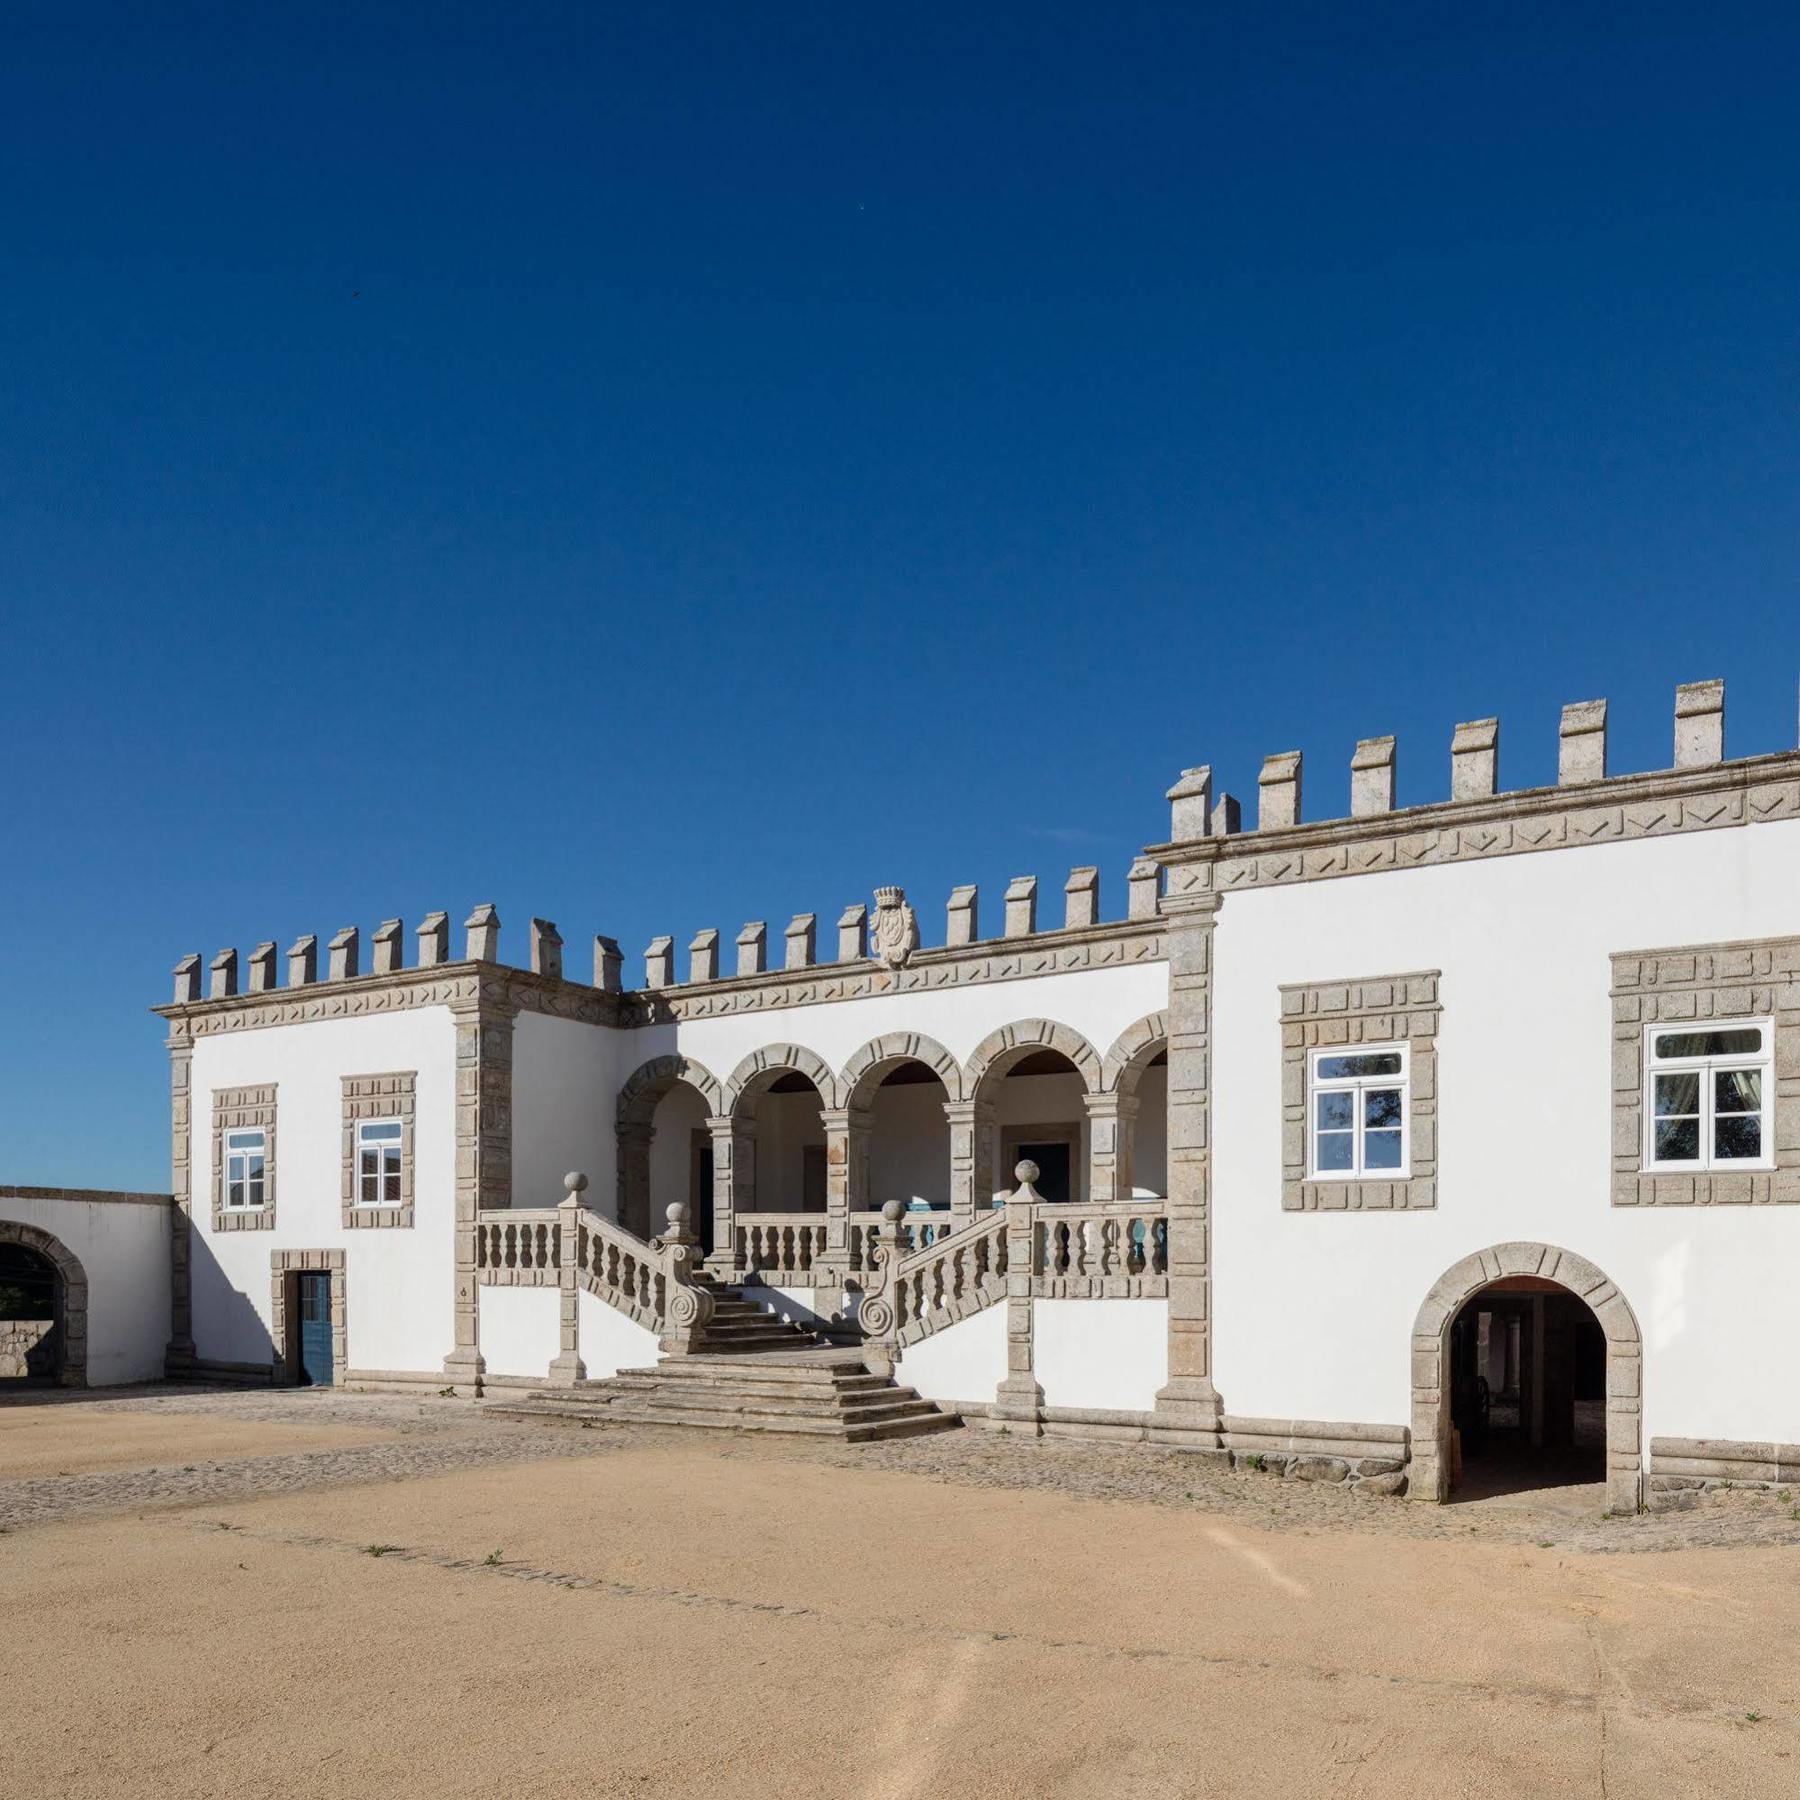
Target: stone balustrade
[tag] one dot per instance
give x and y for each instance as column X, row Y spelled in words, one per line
column 782, row 1245
column 1123, row 1244
column 916, row 1231
column 945, row 1276
column 571, row 1247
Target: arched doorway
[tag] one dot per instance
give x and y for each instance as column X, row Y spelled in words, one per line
column 43, row 1308
column 665, row 1145
column 1526, row 1373
column 779, row 1096
column 1035, row 1079
column 899, row 1095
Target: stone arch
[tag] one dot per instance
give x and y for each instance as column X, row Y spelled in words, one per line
column 634, row 1130
column 1429, row 1476
column 751, row 1079
column 1136, row 1047
column 650, row 1081
column 999, row 1050
column 866, row 1070
column 71, row 1296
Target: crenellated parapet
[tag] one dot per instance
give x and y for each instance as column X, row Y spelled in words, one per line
column 1209, row 853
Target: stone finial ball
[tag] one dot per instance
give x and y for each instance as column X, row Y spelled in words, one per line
column 893, row 1211
column 677, row 1215
column 1025, row 1173
column 575, row 1182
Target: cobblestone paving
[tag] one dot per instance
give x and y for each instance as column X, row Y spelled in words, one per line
column 415, row 1438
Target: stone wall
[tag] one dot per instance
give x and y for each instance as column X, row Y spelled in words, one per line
column 28, row 1347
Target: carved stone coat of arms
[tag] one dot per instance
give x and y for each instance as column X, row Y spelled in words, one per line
column 896, row 929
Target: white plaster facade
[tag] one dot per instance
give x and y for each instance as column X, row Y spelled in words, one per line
column 1184, row 1295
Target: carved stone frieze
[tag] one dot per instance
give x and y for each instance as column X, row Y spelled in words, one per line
column 1117, row 945
column 1758, row 790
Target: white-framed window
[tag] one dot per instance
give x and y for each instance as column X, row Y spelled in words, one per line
column 1707, row 1104
column 246, row 1165
column 1358, row 1124
column 379, row 1152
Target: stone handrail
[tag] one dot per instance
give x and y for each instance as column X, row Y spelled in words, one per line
column 1121, row 1245
column 572, row 1246
column 933, row 1286
column 917, row 1231
column 781, row 1243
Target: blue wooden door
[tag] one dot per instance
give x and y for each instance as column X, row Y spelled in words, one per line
column 315, row 1330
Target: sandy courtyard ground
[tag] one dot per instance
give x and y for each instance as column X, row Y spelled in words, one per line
column 330, row 1595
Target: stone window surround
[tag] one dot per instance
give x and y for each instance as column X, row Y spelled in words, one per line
column 282, row 1264
column 1757, row 978
column 366, row 1097
column 246, row 1108
column 1371, row 1009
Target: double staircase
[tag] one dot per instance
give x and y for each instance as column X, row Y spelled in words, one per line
column 751, row 1371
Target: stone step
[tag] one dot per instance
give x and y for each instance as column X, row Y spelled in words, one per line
column 802, row 1389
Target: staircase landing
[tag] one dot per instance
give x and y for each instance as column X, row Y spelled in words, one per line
column 802, row 1391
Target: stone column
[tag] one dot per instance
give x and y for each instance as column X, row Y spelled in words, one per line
column 568, row 1368
column 971, row 1158
column 1188, row 1409
column 734, row 1190
column 484, row 1061
column 846, row 1193
column 634, row 1138
column 1112, row 1128
column 178, row 1355
column 1018, row 1400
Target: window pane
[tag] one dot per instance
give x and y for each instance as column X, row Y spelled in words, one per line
column 1381, row 1150
column 243, row 1140
column 370, row 1162
column 387, row 1132
column 234, row 1194
column 367, row 1189
column 1744, row 1040
column 390, row 1161
column 1337, row 1112
column 391, row 1190
column 254, row 1190
column 1340, row 1068
column 1677, row 1095
column 1677, row 1140
column 1737, row 1136
column 1334, row 1151
column 1737, row 1091
column 1381, row 1109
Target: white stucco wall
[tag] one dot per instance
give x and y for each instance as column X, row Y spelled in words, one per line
column 566, row 1079
column 123, row 1249
column 398, row 1284
column 1313, row 1311
column 1110, row 1354
column 521, row 1329
column 610, row 1341
column 967, row 1362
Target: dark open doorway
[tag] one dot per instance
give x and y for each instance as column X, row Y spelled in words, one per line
column 1527, row 1379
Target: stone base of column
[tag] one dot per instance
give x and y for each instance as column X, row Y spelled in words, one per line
column 465, row 1368
column 566, row 1370
column 1019, row 1405
column 722, row 1266
column 178, row 1358
column 1189, row 1416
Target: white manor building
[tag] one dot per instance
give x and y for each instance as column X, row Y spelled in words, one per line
column 1366, row 1148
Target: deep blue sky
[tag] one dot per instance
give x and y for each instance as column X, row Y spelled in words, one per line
column 657, row 467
